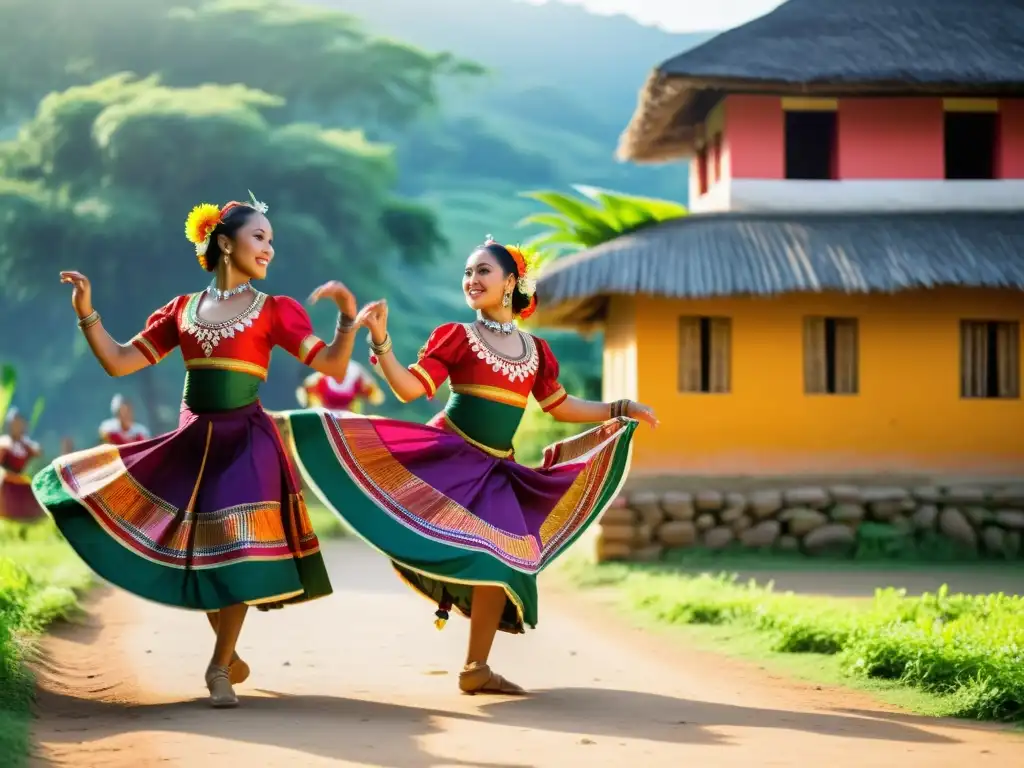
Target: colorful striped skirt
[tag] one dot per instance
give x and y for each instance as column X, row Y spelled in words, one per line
column 451, row 516
column 207, row 516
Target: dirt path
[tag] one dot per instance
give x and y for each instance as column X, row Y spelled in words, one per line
column 362, row 678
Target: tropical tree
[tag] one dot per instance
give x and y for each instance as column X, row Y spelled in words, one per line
column 100, row 179
column 317, row 58
column 600, row 216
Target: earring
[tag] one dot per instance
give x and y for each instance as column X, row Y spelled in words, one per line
column 506, row 299
column 227, row 257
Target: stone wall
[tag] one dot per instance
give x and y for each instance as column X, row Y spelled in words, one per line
column 836, row 520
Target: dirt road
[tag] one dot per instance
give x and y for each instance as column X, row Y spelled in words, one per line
column 363, row 679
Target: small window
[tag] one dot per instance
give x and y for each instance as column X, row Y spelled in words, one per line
column 830, row 356
column 810, row 145
column 716, row 156
column 989, row 359
column 702, row 171
column 705, row 349
column 970, row 145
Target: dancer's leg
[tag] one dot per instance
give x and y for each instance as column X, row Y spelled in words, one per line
column 229, row 626
column 477, row 677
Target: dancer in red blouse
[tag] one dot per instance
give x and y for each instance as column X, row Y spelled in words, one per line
column 121, row 428
column 463, row 523
column 358, row 386
column 208, row 517
column 17, row 449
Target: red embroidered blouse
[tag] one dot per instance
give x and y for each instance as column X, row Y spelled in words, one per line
column 242, row 344
column 458, row 352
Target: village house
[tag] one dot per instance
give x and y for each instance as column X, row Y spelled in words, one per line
column 846, row 295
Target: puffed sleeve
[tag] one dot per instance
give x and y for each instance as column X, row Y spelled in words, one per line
column 548, row 393
column 160, row 336
column 107, row 427
column 293, row 331
column 438, row 356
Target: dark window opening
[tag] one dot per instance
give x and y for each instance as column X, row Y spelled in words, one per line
column 831, row 356
column 705, row 350
column 989, row 359
column 970, row 139
column 702, row 171
column 810, row 145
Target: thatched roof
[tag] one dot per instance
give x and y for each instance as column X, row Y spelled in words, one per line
column 728, row 254
column 834, row 48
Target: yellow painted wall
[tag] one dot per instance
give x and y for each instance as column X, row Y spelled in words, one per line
column 908, row 417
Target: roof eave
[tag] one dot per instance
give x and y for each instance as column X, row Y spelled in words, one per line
column 584, row 315
column 659, row 131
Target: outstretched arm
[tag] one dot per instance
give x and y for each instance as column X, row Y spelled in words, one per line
column 553, row 399
column 405, row 384
column 577, row 411
column 116, row 359
column 332, row 360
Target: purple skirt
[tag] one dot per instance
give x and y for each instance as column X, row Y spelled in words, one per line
column 17, row 502
column 206, row 516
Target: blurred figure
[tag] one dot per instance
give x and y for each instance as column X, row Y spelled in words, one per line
column 349, row 394
column 121, row 428
column 17, row 501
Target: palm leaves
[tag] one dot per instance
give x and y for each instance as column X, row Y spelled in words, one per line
column 8, row 385
column 603, row 215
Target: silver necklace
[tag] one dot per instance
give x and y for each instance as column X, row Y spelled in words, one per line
column 506, row 329
column 220, row 295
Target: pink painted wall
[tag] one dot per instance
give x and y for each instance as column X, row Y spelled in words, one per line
column 877, row 139
column 755, row 137
column 1010, row 150
column 891, row 139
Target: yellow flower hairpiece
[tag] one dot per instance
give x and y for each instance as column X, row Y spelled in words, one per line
column 199, row 225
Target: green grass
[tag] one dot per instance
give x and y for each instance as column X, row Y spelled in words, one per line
column 940, row 653
column 40, row 579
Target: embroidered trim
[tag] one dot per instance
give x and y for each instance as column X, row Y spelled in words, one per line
column 148, row 349
column 425, row 378
column 227, row 364
column 209, row 335
column 495, row 394
column 554, row 399
column 514, row 369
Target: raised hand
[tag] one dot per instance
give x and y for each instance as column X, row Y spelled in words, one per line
column 339, row 294
column 375, row 317
column 81, row 292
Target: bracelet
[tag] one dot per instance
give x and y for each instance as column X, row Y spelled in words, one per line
column 383, row 348
column 346, row 324
column 620, row 408
column 89, row 320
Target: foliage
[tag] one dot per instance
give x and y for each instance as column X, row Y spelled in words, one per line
column 318, row 59
column 39, row 578
column 602, row 216
column 80, row 182
column 968, row 649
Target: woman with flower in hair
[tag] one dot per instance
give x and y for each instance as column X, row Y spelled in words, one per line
column 461, row 521
column 17, row 449
column 208, row 517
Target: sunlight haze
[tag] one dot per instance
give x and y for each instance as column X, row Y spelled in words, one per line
column 681, row 15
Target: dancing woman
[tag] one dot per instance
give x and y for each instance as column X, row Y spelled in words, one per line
column 122, row 428
column 17, row 449
column 210, row 516
column 348, row 394
column 462, row 522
